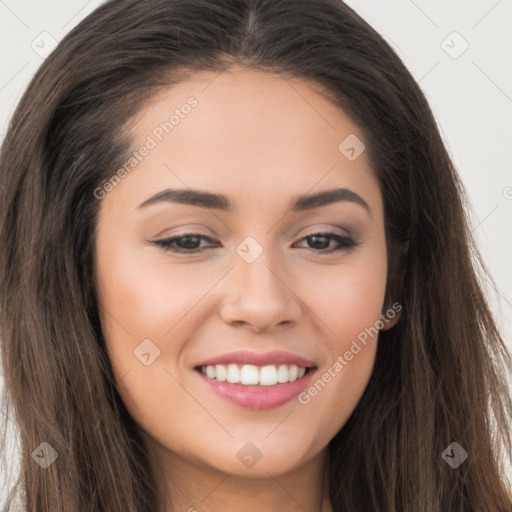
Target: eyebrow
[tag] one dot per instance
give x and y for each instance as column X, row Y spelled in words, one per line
column 220, row 202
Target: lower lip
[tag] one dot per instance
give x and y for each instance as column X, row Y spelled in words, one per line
column 258, row 397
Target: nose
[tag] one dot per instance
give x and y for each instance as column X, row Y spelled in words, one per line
column 261, row 298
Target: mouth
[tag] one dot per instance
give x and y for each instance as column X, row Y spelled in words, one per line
column 256, row 381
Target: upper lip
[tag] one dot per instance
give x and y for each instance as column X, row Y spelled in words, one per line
column 246, row 357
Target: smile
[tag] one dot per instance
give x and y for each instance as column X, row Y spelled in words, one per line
column 256, row 381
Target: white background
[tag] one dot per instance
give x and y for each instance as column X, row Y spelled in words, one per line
column 471, row 95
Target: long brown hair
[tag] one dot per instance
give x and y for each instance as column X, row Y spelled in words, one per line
column 440, row 375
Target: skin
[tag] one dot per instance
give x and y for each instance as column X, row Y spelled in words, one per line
column 260, row 140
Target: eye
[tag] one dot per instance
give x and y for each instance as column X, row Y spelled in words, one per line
column 190, row 243
column 321, row 242
column 187, row 243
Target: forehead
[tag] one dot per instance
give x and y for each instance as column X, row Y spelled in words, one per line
column 247, row 133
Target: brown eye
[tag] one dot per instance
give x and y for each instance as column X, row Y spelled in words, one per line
column 320, row 242
column 189, row 243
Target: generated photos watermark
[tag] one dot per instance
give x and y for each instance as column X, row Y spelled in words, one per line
column 151, row 142
column 344, row 359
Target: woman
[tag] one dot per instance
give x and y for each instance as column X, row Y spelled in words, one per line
column 236, row 273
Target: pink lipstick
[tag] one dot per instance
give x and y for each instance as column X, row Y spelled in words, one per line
column 257, row 381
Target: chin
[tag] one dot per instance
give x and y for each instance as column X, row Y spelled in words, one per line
column 259, row 458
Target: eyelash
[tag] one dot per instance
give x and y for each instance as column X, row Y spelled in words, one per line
column 346, row 243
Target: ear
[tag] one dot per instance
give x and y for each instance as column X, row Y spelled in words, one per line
column 392, row 312
column 391, row 316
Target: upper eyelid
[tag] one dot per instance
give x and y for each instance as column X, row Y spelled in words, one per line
column 347, row 231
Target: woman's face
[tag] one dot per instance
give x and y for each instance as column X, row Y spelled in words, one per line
column 280, row 295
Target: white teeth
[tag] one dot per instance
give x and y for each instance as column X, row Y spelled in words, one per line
column 220, row 372
column 282, row 373
column 268, row 375
column 249, row 374
column 233, row 374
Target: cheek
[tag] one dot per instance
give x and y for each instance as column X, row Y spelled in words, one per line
column 349, row 308
column 143, row 296
column 349, row 299
column 141, row 306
